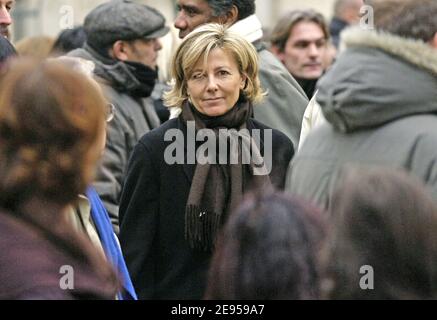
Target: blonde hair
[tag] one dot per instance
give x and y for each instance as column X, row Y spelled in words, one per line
column 199, row 44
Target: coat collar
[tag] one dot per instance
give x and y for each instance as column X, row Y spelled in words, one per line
column 249, row 28
column 413, row 51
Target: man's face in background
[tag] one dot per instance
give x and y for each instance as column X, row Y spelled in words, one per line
column 191, row 14
column 5, row 17
column 305, row 51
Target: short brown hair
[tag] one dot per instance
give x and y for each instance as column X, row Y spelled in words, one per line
column 50, row 120
column 281, row 32
column 416, row 19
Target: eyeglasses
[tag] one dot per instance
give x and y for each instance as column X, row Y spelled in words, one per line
column 110, row 112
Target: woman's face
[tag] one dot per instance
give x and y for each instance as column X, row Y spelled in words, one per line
column 215, row 88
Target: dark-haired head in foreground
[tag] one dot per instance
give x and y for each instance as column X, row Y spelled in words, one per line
column 268, row 251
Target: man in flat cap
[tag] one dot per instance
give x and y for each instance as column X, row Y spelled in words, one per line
column 122, row 41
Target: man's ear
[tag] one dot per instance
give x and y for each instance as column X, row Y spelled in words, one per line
column 277, row 52
column 120, row 50
column 230, row 17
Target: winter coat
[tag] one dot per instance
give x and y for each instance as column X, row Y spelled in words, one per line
column 380, row 103
column 312, row 118
column 34, row 266
column 285, row 104
column 152, row 216
column 133, row 118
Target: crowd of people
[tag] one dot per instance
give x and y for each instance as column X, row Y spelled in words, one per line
column 264, row 167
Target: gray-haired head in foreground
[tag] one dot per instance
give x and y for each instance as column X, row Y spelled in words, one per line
column 415, row 19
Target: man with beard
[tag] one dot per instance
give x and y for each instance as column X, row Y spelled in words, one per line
column 122, row 41
column 5, row 17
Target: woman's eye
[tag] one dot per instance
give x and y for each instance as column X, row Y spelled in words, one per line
column 223, row 73
column 197, row 76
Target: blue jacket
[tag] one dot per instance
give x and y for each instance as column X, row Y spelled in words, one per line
column 110, row 244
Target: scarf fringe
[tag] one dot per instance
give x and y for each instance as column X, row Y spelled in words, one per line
column 201, row 228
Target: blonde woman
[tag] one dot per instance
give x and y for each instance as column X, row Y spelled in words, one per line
column 185, row 177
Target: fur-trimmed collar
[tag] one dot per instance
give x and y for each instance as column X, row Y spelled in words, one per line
column 416, row 52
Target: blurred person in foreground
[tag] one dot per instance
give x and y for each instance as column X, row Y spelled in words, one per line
column 123, row 43
column 51, row 131
column 382, row 240
column 285, row 103
column 179, row 191
column 88, row 214
column 301, row 41
column 268, row 251
column 379, row 100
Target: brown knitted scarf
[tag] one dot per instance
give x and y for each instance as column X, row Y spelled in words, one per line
column 217, row 189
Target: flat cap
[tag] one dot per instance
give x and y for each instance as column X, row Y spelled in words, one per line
column 123, row 20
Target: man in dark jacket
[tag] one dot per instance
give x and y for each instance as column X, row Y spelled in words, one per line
column 285, row 104
column 380, row 101
column 122, row 41
column 346, row 13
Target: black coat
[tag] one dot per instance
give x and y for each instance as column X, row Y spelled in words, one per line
column 152, row 216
